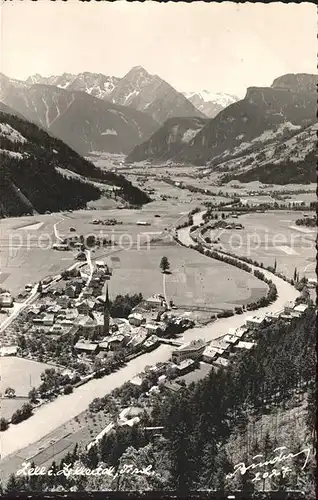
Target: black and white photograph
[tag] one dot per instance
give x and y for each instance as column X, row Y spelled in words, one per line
column 158, row 235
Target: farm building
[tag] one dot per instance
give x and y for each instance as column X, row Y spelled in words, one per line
column 299, row 310
column 6, row 299
column 245, row 345
column 135, row 319
column 186, row 366
column 221, row 362
column 289, row 306
column 209, row 354
column 254, row 322
column 87, row 347
column 191, row 350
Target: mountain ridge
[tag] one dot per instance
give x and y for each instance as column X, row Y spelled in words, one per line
column 83, row 121
column 266, row 115
column 137, row 89
column 40, row 172
column 168, row 140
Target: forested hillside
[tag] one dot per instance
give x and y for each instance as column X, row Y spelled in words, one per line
column 34, row 167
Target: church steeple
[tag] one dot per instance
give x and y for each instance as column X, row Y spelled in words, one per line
column 106, row 313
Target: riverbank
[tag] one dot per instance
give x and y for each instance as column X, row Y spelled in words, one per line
column 285, row 293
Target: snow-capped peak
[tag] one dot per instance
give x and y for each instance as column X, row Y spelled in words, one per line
column 221, row 98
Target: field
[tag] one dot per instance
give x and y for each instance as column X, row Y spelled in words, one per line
column 195, row 280
column 134, row 256
column 21, row 375
column 26, row 255
column 82, row 220
column 273, row 236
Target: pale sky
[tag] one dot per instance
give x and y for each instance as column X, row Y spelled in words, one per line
column 223, row 47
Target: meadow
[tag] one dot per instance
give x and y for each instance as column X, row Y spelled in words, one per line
column 195, row 280
column 271, row 237
column 21, row 375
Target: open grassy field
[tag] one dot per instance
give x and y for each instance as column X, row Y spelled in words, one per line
column 82, row 220
column 195, row 280
column 271, row 236
column 26, row 255
column 21, row 375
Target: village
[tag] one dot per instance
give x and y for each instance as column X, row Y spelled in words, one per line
column 75, row 327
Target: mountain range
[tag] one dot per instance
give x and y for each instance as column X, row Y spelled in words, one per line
column 267, row 115
column 270, row 127
column 39, row 172
column 86, row 123
column 93, row 112
column 137, row 89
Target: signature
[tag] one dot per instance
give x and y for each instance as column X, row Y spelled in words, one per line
column 278, row 460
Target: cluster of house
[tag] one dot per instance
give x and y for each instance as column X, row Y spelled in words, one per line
column 291, row 310
column 6, row 299
column 78, row 285
column 123, row 334
column 185, row 357
column 72, row 307
column 137, row 333
column 216, row 353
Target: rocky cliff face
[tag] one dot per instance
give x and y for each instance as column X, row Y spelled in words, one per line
column 262, row 109
column 296, row 82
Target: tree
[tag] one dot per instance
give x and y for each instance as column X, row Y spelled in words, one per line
column 40, row 287
column 3, row 424
column 305, row 294
column 15, row 484
column 90, row 240
column 22, row 414
column 9, row 392
column 164, row 264
column 68, row 389
column 92, row 457
column 33, row 394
